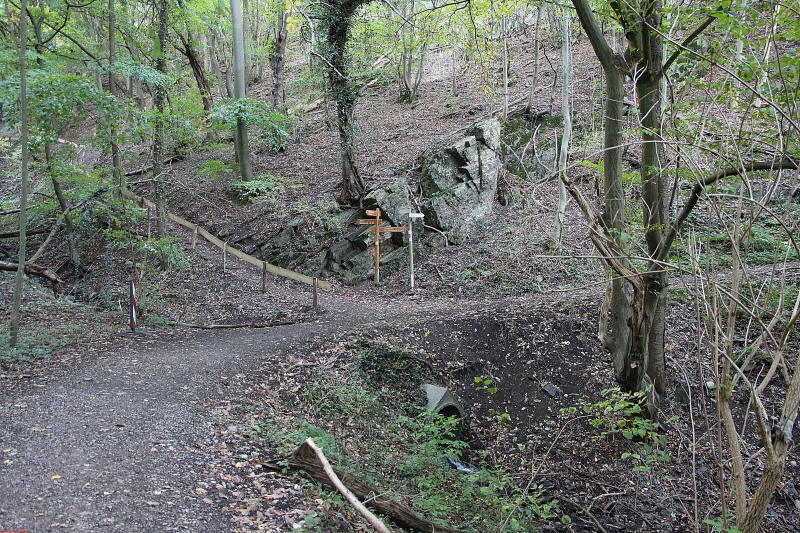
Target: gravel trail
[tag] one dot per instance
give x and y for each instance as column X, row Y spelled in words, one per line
column 115, row 441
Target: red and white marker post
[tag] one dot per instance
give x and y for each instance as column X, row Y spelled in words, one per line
column 133, row 303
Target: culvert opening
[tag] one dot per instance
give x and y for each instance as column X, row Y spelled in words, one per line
column 451, row 410
column 442, row 401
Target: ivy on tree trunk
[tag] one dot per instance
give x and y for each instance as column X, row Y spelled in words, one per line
column 337, row 19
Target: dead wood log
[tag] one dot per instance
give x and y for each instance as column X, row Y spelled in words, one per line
column 304, row 458
column 36, row 270
column 15, row 234
column 137, row 172
column 232, row 326
column 326, row 466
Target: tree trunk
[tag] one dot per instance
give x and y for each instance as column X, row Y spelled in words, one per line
column 353, row 186
column 35, row 270
column 648, row 89
column 278, row 61
column 23, row 196
column 196, row 64
column 622, row 303
column 618, row 338
column 116, row 163
column 536, row 61
column 566, row 134
column 64, row 206
column 339, row 20
column 159, row 138
column 242, row 144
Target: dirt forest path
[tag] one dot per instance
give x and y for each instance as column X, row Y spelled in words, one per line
column 114, row 442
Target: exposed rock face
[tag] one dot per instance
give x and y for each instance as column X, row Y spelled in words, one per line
column 531, row 145
column 459, row 181
column 353, row 257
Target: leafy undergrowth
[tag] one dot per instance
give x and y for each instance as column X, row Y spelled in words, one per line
column 49, row 327
column 548, row 445
column 363, row 406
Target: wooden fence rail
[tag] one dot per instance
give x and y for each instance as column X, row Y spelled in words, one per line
column 262, row 265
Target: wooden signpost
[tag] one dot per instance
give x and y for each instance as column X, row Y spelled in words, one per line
column 376, row 227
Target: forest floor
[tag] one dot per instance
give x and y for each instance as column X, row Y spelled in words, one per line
column 185, row 429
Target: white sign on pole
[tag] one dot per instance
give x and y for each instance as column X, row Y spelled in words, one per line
column 411, row 217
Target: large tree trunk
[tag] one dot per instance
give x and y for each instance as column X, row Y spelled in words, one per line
column 344, row 94
column 353, row 186
column 196, row 64
column 648, row 89
column 23, row 194
column 159, row 137
column 241, row 141
column 627, row 338
column 278, row 61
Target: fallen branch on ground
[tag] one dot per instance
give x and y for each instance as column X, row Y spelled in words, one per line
column 173, row 159
column 304, row 458
column 231, row 326
column 326, row 466
column 15, row 234
column 36, row 270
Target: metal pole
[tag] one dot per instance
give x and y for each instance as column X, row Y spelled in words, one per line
column 411, row 217
column 377, row 250
column 411, row 249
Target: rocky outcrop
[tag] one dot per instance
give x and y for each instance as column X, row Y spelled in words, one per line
column 352, row 258
column 459, row 180
column 531, row 145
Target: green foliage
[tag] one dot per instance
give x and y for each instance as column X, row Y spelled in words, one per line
column 484, row 384
column 285, row 440
column 272, row 127
column 381, row 362
column 145, row 73
column 630, row 178
column 722, row 526
column 620, row 413
column 149, row 254
column 321, row 214
column 56, row 102
column 217, row 170
column 413, row 450
column 351, row 400
column 265, row 188
column 445, row 492
column 37, row 345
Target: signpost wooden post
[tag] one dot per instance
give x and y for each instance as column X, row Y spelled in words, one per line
column 376, row 227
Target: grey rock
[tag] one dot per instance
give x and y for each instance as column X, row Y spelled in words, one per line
column 459, row 180
column 390, row 200
column 551, row 390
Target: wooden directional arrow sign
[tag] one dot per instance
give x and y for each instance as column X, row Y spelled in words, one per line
column 378, row 229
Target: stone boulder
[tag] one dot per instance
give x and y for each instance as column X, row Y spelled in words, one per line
column 531, row 144
column 352, row 258
column 393, row 200
column 458, row 181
